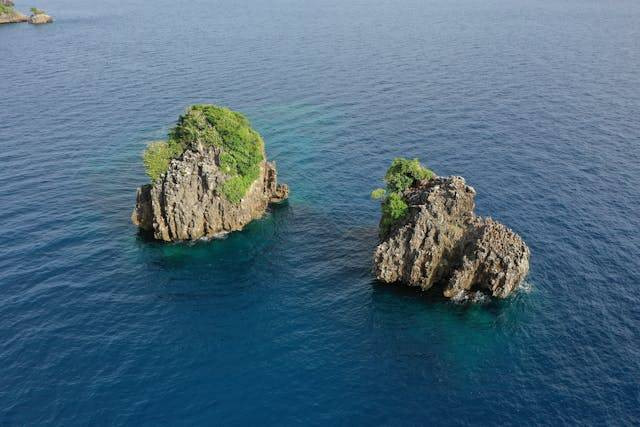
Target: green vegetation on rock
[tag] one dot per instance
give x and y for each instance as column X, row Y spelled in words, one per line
column 5, row 9
column 378, row 194
column 402, row 174
column 393, row 209
column 157, row 156
column 36, row 11
column 241, row 147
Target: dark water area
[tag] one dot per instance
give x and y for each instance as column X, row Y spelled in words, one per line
column 535, row 103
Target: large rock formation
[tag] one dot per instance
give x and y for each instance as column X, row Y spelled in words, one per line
column 187, row 204
column 189, row 201
column 441, row 242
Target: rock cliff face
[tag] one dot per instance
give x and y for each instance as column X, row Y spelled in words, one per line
column 40, row 18
column 441, row 242
column 12, row 17
column 186, row 203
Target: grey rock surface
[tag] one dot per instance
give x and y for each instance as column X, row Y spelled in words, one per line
column 186, row 203
column 40, row 18
column 441, row 242
column 12, row 17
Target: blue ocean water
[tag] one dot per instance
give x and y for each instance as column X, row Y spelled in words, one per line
column 536, row 103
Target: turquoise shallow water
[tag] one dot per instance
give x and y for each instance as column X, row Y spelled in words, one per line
column 535, row 102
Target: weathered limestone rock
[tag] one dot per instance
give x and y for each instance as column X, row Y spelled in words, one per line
column 186, row 203
column 40, row 18
column 12, row 17
column 442, row 242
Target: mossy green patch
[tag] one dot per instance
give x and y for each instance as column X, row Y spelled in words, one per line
column 404, row 172
column 378, row 194
column 157, row 156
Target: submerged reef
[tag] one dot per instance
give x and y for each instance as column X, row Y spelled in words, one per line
column 210, row 177
column 430, row 236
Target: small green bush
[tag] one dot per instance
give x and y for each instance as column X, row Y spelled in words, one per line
column 157, row 156
column 235, row 188
column 36, row 11
column 5, row 9
column 393, row 209
column 378, row 194
column 402, row 174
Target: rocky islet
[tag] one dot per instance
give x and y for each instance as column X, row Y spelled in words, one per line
column 9, row 15
column 439, row 241
column 39, row 17
column 214, row 179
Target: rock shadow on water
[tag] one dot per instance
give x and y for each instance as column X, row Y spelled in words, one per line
column 239, row 248
column 483, row 312
column 215, row 272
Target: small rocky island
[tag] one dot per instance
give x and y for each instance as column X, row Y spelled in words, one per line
column 8, row 15
column 209, row 178
column 431, row 237
column 39, row 17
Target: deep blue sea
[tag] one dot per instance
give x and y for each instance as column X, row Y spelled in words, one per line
column 535, row 102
